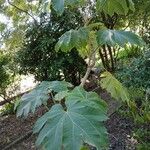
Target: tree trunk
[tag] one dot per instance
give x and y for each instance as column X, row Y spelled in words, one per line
column 111, row 58
column 106, row 58
column 102, row 58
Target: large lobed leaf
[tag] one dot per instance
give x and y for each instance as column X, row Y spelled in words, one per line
column 73, row 39
column 79, row 122
column 91, row 98
column 114, row 87
column 61, row 95
column 110, row 7
column 40, row 95
column 116, row 37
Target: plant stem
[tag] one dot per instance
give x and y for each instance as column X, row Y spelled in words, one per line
column 52, row 97
column 20, row 9
column 91, row 64
column 86, row 76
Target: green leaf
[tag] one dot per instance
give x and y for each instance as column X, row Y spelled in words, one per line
column 85, row 148
column 71, row 128
column 61, row 95
column 44, row 5
column 116, row 6
column 92, row 99
column 17, row 102
column 75, row 2
column 40, row 95
column 58, row 5
column 116, row 37
column 58, row 86
column 114, row 87
column 73, row 39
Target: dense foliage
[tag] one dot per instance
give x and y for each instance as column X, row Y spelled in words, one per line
column 5, row 74
column 139, row 20
column 136, row 73
column 38, row 55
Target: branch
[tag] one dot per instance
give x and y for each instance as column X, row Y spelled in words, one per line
column 22, row 10
column 12, row 98
column 27, row 135
column 127, row 25
column 88, row 22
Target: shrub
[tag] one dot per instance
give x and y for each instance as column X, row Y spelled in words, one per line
column 10, row 108
column 137, row 72
column 136, row 76
column 5, row 77
column 39, row 57
column 7, row 109
column 129, row 52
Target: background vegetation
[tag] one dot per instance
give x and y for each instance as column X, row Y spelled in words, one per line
column 63, row 40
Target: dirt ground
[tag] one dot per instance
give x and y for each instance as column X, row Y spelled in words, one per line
column 119, row 129
column 11, row 128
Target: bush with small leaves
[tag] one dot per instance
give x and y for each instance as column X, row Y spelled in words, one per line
column 5, row 74
column 37, row 56
column 136, row 74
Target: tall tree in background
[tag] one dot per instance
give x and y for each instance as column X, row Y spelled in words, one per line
column 23, row 12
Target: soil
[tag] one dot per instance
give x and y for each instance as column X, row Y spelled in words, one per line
column 119, row 128
column 11, row 128
column 120, row 133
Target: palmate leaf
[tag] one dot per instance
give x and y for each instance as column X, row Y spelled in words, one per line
column 58, row 86
column 39, row 95
column 116, row 37
column 61, row 95
column 92, row 99
column 114, row 87
column 81, row 122
column 58, row 5
column 110, row 7
column 73, row 39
